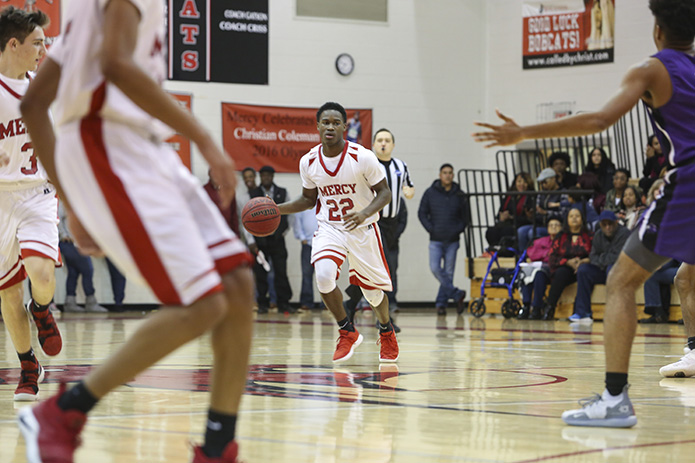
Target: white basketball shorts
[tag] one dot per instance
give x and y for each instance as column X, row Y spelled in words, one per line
column 28, row 227
column 146, row 211
column 363, row 250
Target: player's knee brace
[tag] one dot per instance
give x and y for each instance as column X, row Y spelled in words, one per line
column 373, row 296
column 326, row 273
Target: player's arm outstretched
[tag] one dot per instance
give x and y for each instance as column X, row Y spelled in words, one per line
column 307, row 200
column 382, row 198
column 648, row 80
column 121, row 19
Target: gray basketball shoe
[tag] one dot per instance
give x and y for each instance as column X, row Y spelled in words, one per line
column 603, row 411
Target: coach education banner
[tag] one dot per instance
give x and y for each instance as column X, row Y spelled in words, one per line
column 256, row 136
column 219, row 41
column 567, row 32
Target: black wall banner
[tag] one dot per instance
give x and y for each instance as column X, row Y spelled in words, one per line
column 219, row 41
column 187, row 40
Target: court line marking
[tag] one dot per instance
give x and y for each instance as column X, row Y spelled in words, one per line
column 313, row 445
column 590, row 451
column 402, row 453
column 647, row 401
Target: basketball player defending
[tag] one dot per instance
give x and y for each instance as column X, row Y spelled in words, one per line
column 129, row 195
column 28, row 204
column 665, row 82
column 344, row 176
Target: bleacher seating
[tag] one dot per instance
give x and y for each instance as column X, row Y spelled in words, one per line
column 494, row 297
column 624, row 142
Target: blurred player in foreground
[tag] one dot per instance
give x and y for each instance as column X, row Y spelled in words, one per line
column 128, row 195
column 665, row 82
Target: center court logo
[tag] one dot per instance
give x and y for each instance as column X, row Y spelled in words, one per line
column 283, row 381
column 382, row 385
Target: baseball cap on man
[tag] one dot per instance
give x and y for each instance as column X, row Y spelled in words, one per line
column 607, row 215
column 546, row 174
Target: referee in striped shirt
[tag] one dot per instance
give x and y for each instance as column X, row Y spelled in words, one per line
column 393, row 216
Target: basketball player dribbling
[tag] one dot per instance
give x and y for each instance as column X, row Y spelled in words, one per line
column 665, row 82
column 28, row 204
column 129, row 195
column 351, row 188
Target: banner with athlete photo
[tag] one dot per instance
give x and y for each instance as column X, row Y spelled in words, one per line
column 179, row 143
column 256, row 136
column 220, row 41
column 558, row 33
column 50, row 7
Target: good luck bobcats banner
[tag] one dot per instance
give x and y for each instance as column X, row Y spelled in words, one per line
column 567, row 32
column 219, row 41
column 256, row 136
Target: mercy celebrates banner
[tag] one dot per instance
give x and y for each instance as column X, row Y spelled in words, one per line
column 257, row 136
column 220, row 41
column 567, row 32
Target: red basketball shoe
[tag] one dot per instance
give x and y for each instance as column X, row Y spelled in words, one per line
column 389, row 346
column 49, row 336
column 230, row 455
column 347, row 343
column 28, row 388
column 51, row 434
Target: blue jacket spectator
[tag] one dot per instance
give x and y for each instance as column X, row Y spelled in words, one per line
column 444, row 214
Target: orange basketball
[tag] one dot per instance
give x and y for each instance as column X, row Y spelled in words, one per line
column 261, row 216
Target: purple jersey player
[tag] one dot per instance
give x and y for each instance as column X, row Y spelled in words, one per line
column 665, row 82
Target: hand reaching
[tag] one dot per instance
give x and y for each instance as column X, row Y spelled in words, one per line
column 508, row 133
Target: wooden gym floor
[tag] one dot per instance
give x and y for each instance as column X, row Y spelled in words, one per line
column 464, row 390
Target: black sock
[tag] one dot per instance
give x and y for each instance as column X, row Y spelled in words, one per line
column 27, row 356
column 352, row 304
column 691, row 343
column 77, row 398
column 35, row 307
column 615, row 382
column 385, row 328
column 345, row 324
column 219, row 433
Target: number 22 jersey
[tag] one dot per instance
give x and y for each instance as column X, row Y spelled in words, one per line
column 344, row 182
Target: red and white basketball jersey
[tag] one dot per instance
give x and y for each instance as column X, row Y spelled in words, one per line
column 344, row 182
column 24, row 169
column 83, row 89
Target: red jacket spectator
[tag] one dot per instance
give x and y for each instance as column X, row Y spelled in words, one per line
column 567, row 246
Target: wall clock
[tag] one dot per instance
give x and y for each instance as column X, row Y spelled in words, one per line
column 344, row 64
